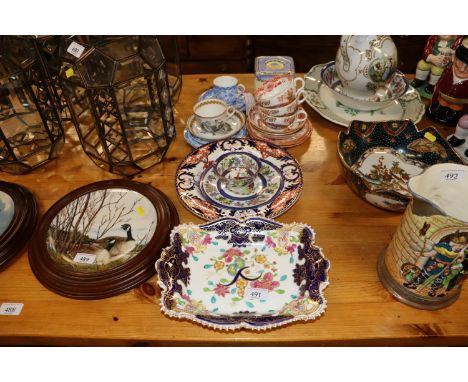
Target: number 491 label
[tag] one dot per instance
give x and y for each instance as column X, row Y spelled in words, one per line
column 256, row 293
column 11, row 309
column 452, row 175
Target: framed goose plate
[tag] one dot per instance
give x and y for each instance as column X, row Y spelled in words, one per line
column 101, row 239
column 323, row 100
column 277, row 188
column 18, row 213
column 254, row 274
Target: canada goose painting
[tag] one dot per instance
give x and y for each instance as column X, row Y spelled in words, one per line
column 105, row 228
column 7, row 210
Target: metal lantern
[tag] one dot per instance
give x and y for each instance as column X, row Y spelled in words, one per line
column 170, row 48
column 119, row 97
column 30, row 128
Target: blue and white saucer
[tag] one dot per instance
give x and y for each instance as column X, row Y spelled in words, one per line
column 238, row 102
column 197, row 142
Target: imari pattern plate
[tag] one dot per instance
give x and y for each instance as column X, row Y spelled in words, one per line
column 280, row 175
column 254, row 274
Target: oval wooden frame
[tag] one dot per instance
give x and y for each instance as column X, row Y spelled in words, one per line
column 22, row 224
column 110, row 282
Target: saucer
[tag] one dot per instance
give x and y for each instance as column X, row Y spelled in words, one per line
column 229, row 128
column 295, row 139
column 193, row 169
column 197, row 142
column 323, row 100
column 265, row 189
column 386, row 95
column 238, row 103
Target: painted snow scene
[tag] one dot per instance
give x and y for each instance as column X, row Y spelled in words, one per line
column 387, row 170
column 7, row 210
column 229, row 274
column 101, row 230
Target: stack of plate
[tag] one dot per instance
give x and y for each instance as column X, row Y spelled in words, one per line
column 18, row 213
column 196, row 136
column 289, row 136
column 102, row 239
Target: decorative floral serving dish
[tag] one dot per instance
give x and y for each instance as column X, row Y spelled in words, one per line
column 378, row 159
column 277, row 188
column 255, row 274
column 324, row 101
column 387, row 95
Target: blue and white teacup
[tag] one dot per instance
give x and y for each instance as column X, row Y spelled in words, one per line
column 227, row 88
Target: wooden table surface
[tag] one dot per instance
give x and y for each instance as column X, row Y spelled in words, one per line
column 351, row 232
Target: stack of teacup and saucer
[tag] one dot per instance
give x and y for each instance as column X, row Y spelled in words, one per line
column 277, row 116
column 213, row 120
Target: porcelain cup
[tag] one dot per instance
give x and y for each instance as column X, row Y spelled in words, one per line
column 288, row 109
column 280, row 121
column 279, row 91
column 212, row 113
column 227, row 88
column 237, row 171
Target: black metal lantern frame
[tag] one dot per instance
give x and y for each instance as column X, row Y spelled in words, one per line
column 31, row 131
column 120, row 101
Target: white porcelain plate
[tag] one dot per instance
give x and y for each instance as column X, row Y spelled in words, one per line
column 323, row 100
column 254, row 274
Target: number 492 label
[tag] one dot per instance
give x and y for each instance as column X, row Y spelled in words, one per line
column 84, row 258
column 11, row 309
column 452, row 175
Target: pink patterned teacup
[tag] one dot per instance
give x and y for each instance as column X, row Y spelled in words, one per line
column 278, row 91
column 288, row 109
column 280, row 121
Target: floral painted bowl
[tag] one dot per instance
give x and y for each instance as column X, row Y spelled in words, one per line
column 384, row 97
column 255, row 274
column 378, row 159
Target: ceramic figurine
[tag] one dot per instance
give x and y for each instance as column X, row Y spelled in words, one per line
column 365, row 63
column 459, row 140
column 450, row 99
column 427, row 260
column 437, row 56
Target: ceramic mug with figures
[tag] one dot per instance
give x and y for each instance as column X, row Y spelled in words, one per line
column 426, row 262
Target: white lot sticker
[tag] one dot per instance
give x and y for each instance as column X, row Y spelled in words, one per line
column 256, row 293
column 452, row 175
column 84, row 258
column 11, row 309
column 75, row 49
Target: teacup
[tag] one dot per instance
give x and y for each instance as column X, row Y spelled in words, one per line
column 278, row 91
column 288, row 109
column 237, row 171
column 227, row 88
column 212, row 113
column 280, row 121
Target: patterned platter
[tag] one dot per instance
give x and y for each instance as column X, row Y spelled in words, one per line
column 255, row 274
column 322, row 99
column 278, row 187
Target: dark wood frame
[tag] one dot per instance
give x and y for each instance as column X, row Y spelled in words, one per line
column 110, row 282
column 21, row 226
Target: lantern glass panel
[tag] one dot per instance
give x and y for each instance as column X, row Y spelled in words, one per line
column 120, row 101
